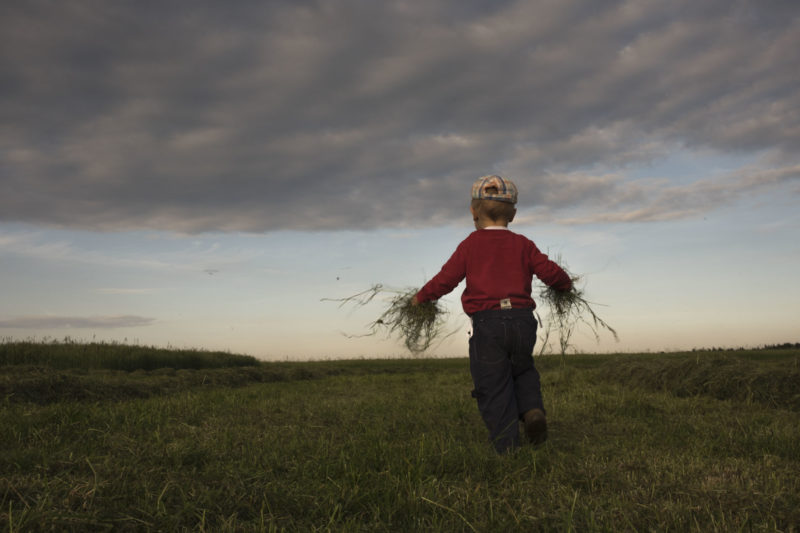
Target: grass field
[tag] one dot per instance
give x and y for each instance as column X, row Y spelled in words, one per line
column 705, row 441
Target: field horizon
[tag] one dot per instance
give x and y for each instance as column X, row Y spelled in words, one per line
column 116, row 437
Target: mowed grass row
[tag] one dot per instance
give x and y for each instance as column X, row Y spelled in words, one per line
column 55, row 372
column 400, row 450
column 46, row 378
column 768, row 377
column 113, row 356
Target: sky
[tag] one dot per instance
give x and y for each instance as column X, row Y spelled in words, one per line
column 211, row 175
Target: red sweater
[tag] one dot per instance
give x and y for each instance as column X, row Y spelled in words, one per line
column 498, row 264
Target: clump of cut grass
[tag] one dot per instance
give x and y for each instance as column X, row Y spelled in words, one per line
column 417, row 326
column 567, row 310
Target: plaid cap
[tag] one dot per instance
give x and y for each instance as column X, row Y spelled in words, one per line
column 506, row 190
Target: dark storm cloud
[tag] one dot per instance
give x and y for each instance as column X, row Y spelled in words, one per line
column 259, row 116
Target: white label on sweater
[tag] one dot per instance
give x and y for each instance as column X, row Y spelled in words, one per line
column 505, row 303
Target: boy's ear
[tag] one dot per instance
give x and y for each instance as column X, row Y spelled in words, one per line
column 472, row 212
column 513, row 215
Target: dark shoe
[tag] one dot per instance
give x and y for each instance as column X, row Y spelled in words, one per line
column 535, row 426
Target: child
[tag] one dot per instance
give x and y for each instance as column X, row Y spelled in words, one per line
column 499, row 266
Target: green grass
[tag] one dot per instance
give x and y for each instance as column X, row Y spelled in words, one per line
column 399, row 446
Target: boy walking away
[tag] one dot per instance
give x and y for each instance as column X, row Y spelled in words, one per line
column 499, row 265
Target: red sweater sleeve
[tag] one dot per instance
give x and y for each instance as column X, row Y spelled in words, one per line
column 451, row 274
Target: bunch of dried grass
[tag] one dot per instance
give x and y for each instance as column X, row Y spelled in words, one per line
column 568, row 309
column 418, row 326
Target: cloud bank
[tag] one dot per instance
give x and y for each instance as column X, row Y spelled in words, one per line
column 261, row 116
column 76, row 322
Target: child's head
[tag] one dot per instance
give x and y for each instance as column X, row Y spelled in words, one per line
column 493, row 199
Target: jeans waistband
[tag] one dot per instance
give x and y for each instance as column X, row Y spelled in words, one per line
column 502, row 313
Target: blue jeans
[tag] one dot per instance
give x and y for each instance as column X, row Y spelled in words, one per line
column 501, row 363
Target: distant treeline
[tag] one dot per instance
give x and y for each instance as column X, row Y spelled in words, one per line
column 784, row 346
